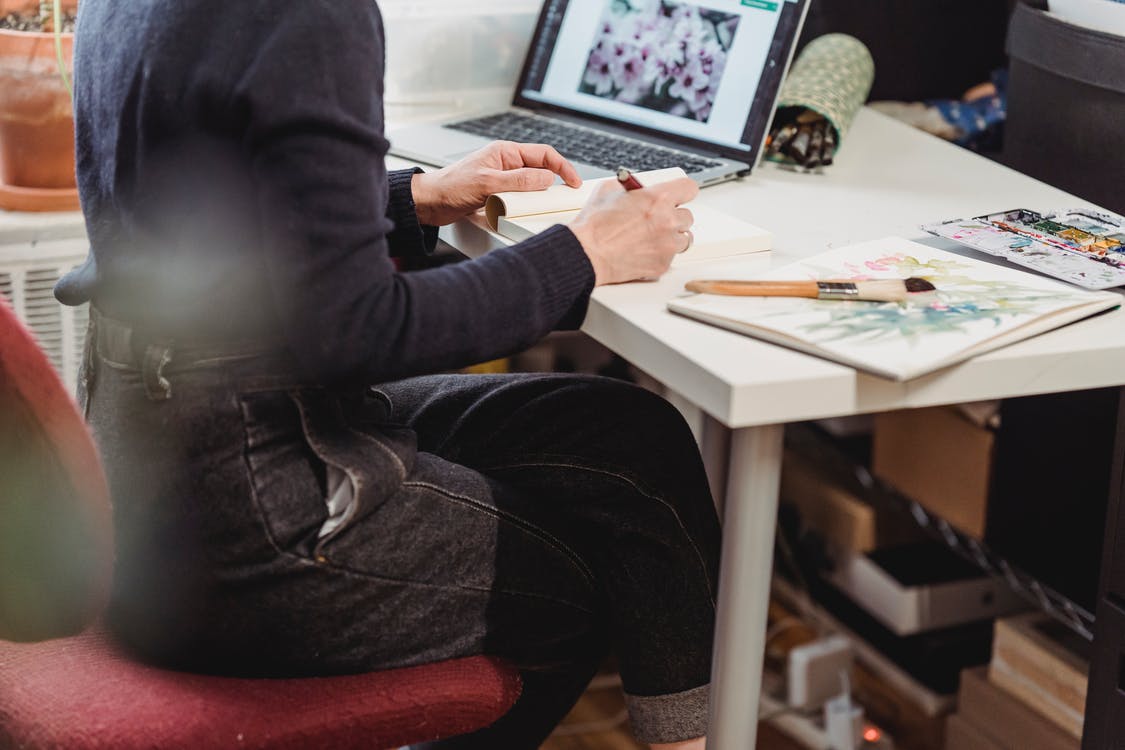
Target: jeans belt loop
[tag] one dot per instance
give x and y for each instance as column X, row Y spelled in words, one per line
column 156, row 358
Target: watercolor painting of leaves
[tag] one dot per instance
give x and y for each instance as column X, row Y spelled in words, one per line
column 959, row 302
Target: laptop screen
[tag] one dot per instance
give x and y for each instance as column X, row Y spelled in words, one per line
column 697, row 71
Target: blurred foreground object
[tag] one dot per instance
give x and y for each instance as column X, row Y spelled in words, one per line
column 55, row 538
column 829, row 82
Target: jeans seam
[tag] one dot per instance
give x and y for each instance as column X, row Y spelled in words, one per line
column 341, row 568
column 515, row 521
column 262, row 517
column 402, row 471
column 382, row 395
column 295, row 395
column 635, row 485
column 122, row 366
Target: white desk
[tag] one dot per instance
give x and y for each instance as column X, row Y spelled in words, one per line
column 888, row 179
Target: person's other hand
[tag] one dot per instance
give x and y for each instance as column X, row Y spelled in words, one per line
column 980, row 91
column 456, row 191
column 634, row 235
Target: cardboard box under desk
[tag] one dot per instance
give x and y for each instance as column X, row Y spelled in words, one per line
column 939, row 458
column 961, row 735
column 1004, row 718
column 1034, row 489
column 827, row 506
column 1045, row 665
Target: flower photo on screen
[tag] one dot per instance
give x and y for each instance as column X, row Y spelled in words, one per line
column 662, row 55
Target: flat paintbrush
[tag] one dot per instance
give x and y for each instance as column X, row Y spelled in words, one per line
column 874, row 290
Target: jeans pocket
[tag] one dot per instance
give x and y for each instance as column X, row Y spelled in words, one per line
column 288, row 480
column 320, row 461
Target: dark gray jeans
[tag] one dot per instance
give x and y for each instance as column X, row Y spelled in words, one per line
column 546, row 519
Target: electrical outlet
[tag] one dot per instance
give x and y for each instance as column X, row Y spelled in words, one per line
column 814, row 671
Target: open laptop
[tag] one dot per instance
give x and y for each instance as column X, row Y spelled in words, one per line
column 647, row 84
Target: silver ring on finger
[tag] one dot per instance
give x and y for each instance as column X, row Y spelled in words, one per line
column 690, row 240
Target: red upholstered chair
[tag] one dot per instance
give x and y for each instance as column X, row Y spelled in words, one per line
column 72, row 692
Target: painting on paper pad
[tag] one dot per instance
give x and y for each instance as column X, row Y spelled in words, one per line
column 977, row 307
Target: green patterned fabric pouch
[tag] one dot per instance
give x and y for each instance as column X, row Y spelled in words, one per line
column 831, row 78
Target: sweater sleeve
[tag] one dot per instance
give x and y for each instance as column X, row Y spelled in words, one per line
column 408, row 238
column 317, row 150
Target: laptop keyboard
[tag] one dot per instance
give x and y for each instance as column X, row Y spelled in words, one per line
column 581, row 144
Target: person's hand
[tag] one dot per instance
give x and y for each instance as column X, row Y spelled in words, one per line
column 634, row 235
column 456, row 191
column 980, row 91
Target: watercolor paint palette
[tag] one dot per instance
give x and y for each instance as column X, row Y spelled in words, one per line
column 1085, row 247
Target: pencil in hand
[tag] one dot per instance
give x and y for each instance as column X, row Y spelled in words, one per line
column 876, row 290
column 627, row 180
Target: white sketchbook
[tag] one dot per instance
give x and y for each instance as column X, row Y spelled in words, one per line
column 977, row 307
column 518, row 216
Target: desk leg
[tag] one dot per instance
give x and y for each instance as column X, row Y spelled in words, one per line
column 714, row 445
column 744, row 586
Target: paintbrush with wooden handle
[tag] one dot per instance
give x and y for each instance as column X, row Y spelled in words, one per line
column 874, row 290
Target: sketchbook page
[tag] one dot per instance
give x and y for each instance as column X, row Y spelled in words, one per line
column 519, row 228
column 977, row 307
column 717, row 234
column 561, row 197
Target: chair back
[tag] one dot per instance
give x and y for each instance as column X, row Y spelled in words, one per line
column 55, row 524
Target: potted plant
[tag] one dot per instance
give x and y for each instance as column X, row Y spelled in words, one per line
column 36, row 117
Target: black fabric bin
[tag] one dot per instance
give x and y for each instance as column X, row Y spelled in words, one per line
column 1066, row 106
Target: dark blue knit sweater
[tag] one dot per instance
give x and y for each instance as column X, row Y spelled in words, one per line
column 230, row 163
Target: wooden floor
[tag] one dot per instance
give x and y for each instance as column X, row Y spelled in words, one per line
column 597, row 723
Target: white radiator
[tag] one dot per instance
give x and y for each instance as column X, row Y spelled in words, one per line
column 28, row 272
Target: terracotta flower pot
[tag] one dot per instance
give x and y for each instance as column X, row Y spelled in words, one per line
column 36, row 118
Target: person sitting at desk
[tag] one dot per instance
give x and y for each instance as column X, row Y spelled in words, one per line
column 276, row 513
